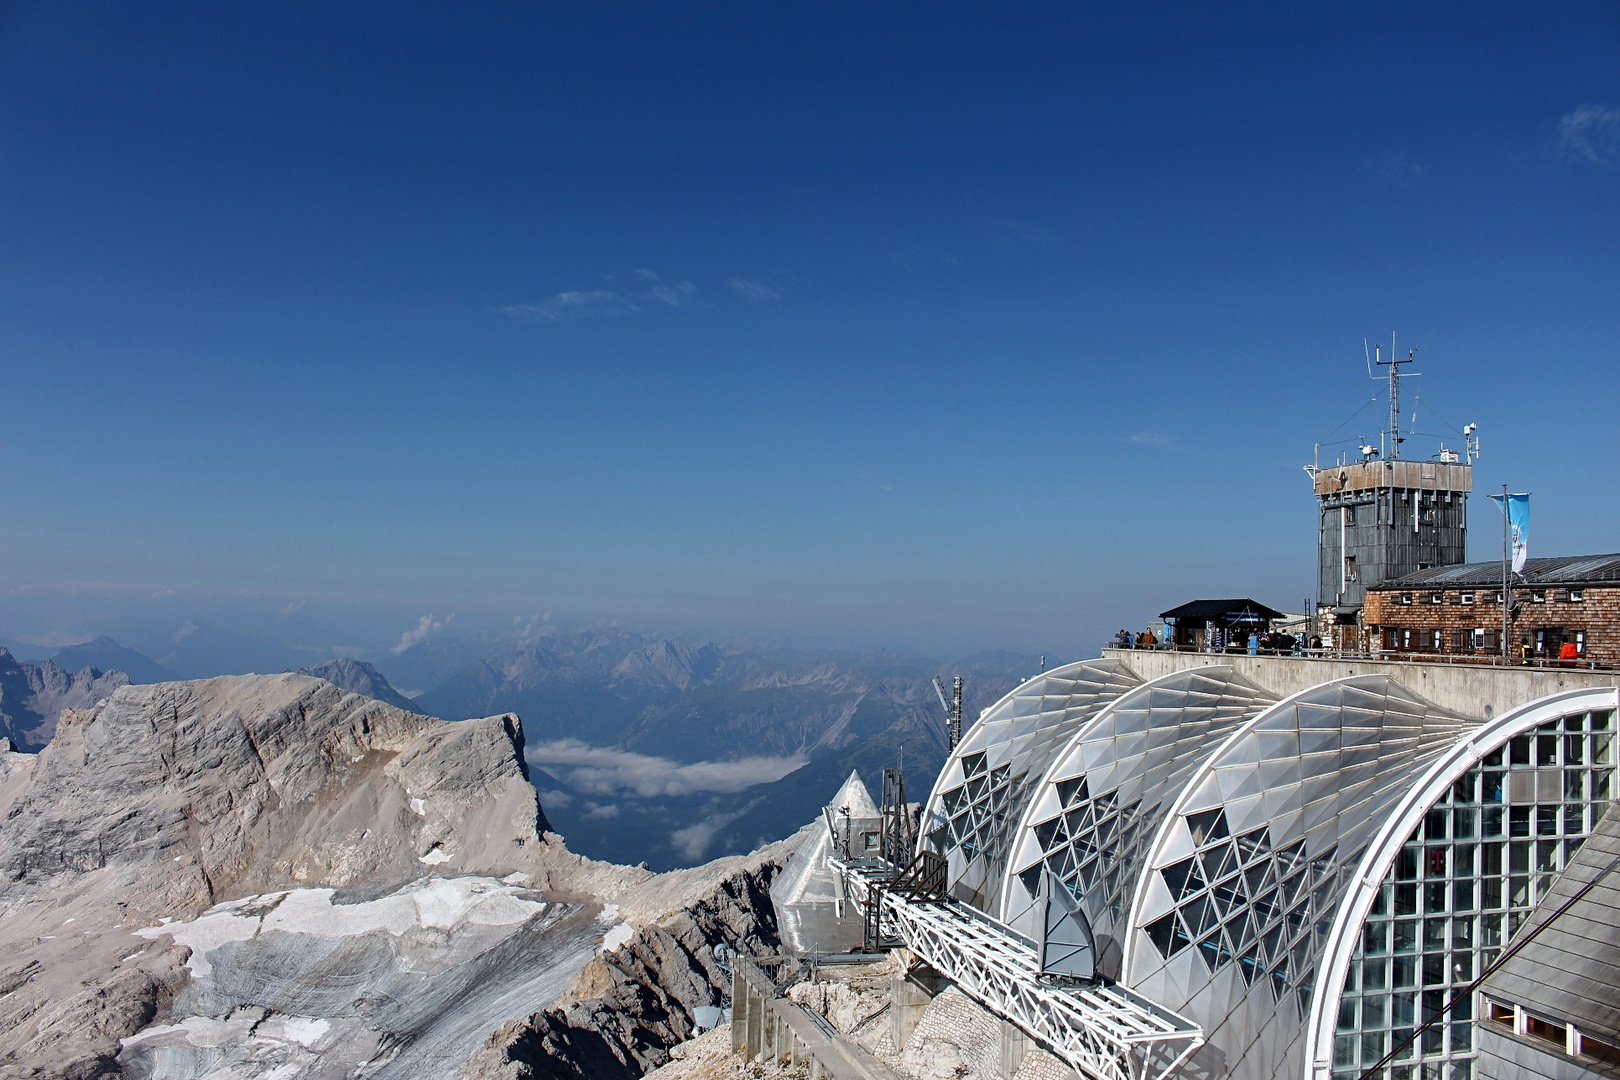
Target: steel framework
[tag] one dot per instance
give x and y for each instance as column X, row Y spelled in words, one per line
column 1104, row 1032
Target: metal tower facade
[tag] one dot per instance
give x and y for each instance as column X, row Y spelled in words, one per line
column 1382, row 519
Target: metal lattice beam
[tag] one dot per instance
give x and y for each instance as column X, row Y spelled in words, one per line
column 1104, row 1032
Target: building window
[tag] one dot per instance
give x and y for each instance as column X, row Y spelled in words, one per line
column 1467, row 599
column 1350, row 568
column 870, row 840
column 1538, row 596
column 1406, row 598
column 1464, row 882
column 1437, row 598
column 1349, row 515
column 1434, row 640
column 1577, row 596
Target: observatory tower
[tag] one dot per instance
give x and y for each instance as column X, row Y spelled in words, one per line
column 1381, row 517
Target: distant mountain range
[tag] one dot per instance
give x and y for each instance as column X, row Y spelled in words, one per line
column 32, row 697
column 108, row 655
column 643, row 748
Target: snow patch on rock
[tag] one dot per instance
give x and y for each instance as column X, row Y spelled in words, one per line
column 437, row 903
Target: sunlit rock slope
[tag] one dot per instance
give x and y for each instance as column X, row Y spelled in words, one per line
column 364, row 868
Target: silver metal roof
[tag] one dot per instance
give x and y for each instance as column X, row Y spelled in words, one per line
column 1570, row 969
column 1566, row 570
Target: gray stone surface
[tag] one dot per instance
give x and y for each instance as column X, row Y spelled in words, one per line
column 164, row 800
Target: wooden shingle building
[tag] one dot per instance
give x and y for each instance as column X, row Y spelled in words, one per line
column 1458, row 610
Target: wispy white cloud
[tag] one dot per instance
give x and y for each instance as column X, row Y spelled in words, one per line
column 1152, row 438
column 424, row 626
column 755, row 290
column 164, row 594
column 681, row 295
column 1029, row 234
column 1590, row 135
column 1395, row 168
column 577, row 304
column 598, row 770
column 292, row 607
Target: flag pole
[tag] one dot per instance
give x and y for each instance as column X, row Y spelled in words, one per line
column 1505, row 594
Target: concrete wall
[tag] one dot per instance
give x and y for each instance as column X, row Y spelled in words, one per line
column 1473, row 690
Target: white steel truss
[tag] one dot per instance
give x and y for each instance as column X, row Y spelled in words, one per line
column 1104, row 1032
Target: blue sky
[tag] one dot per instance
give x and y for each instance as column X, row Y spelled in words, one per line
column 935, row 326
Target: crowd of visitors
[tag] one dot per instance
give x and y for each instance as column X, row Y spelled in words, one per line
column 1270, row 643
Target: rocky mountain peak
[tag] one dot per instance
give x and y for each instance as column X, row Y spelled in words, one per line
column 358, row 677
column 235, row 780
column 670, row 665
column 33, row 696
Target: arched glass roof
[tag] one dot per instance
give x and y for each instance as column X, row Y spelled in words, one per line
column 1103, row 798
column 980, row 796
column 1474, row 845
column 1252, row 864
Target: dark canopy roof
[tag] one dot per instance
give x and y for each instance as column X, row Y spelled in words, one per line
column 1220, row 609
column 1567, row 570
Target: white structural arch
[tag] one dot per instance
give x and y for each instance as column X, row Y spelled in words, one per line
column 1248, row 869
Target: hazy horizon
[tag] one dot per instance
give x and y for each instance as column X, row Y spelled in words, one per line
column 990, row 329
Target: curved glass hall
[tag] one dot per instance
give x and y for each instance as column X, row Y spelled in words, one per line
column 981, row 791
column 1102, row 800
column 1307, row 879
column 1242, row 884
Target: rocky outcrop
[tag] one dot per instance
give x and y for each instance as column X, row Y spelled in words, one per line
column 33, row 697
column 632, row 1004
column 164, row 800
column 242, row 784
column 268, row 875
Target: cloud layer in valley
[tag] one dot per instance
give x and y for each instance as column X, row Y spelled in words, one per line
column 599, row 770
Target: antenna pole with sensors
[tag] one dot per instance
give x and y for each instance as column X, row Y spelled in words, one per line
column 953, row 708
column 1394, row 364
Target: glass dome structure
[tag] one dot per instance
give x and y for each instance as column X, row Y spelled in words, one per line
column 1308, row 879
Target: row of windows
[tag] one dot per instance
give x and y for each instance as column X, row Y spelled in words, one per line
column 1469, row 597
column 1543, row 640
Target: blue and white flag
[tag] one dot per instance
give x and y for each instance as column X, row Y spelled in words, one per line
column 1518, row 515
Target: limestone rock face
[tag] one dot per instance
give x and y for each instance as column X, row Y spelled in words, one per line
column 635, row 1002
column 163, row 800
column 250, row 782
column 271, row 876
